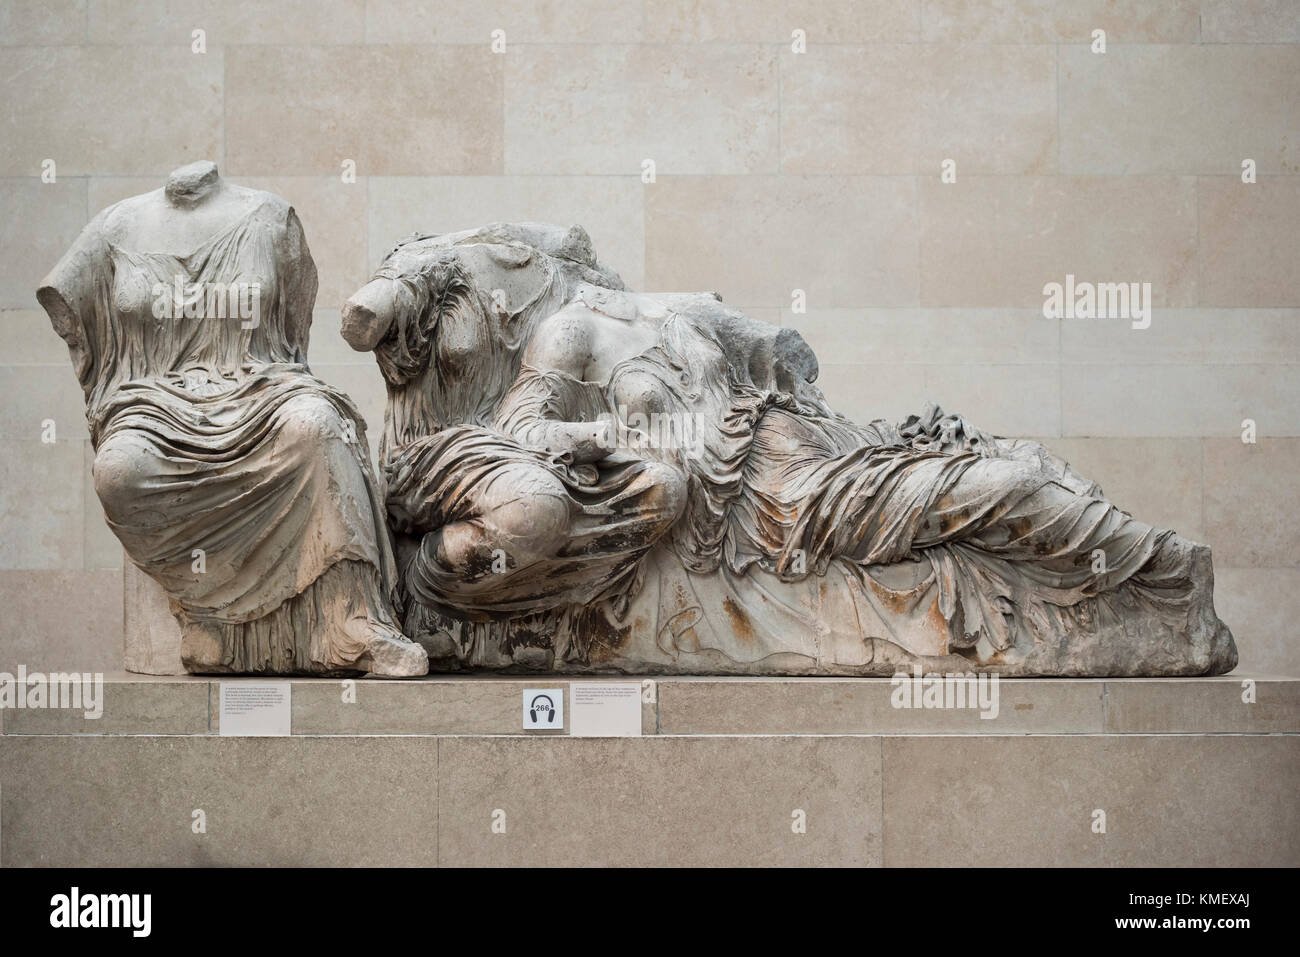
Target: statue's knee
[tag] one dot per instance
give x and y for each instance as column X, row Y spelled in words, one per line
column 665, row 495
column 534, row 521
column 311, row 420
column 1009, row 475
column 123, row 466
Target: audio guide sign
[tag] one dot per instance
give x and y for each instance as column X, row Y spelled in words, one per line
column 543, row 709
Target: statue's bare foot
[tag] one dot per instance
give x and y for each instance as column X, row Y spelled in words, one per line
column 390, row 654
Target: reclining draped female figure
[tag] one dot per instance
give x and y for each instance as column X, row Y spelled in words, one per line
column 231, row 475
column 537, row 529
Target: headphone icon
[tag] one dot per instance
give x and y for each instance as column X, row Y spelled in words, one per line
column 550, row 713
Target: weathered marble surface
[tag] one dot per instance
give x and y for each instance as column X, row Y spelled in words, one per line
column 151, row 633
column 233, row 477
column 581, row 478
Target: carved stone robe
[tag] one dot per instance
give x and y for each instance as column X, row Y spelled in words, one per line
column 232, row 476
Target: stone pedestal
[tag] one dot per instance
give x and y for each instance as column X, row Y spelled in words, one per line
column 153, row 638
column 1186, row 772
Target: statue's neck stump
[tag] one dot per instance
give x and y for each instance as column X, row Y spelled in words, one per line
column 190, row 185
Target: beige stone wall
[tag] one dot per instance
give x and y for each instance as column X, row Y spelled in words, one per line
column 775, row 171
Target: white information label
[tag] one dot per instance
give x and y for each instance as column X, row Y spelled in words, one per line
column 543, row 709
column 255, row 709
column 607, row 709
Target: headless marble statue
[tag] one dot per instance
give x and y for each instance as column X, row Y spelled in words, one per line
column 586, row 479
column 231, row 475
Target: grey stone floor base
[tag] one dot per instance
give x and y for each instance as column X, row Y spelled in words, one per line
column 727, row 772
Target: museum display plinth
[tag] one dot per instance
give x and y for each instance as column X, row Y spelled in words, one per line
column 1185, row 771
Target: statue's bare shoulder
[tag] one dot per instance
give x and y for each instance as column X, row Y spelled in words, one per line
column 563, row 342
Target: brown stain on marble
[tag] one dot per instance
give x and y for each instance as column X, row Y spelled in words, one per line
column 740, row 623
column 934, row 618
column 894, row 601
column 606, row 638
